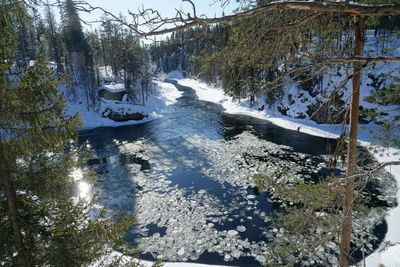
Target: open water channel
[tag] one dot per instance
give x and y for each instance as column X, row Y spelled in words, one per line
column 188, row 178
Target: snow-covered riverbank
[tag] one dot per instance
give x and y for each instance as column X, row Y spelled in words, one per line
column 166, row 94
column 387, row 255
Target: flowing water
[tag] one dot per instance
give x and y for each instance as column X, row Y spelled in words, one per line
column 188, row 178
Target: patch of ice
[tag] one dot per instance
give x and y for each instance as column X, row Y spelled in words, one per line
column 232, row 232
column 181, row 251
column 241, row 228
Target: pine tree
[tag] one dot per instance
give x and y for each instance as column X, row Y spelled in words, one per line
column 43, row 222
column 54, row 48
column 79, row 55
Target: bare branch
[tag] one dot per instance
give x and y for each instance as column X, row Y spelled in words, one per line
column 179, row 23
column 377, row 169
column 194, row 7
column 340, row 184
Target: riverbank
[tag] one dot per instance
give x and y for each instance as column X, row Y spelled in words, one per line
column 166, row 94
column 389, row 252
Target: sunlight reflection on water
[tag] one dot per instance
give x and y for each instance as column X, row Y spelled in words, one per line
column 83, row 188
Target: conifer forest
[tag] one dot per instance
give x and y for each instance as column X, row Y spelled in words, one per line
column 200, row 133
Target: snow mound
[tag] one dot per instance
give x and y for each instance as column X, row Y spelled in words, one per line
column 174, row 75
column 114, row 88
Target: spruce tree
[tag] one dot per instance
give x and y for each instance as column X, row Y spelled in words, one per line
column 43, row 222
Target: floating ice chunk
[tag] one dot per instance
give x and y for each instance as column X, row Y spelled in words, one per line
column 227, row 257
column 260, row 258
column 236, row 253
column 232, row 232
column 241, row 228
column 181, row 251
column 156, row 235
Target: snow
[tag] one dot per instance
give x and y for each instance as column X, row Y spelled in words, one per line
column 114, row 88
column 174, row 75
column 106, row 74
column 166, row 94
column 126, row 260
column 389, row 255
column 216, row 95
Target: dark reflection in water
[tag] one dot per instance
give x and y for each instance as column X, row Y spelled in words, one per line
column 193, row 117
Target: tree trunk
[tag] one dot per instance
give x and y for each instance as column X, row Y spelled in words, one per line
column 5, row 174
column 143, row 93
column 352, row 150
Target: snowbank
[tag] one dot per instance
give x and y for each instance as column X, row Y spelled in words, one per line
column 166, row 95
column 174, row 75
column 114, row 88
column 126, row 260
column 387, row 255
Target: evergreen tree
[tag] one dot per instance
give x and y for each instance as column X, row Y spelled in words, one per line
column 54, row 48
column 43, row 222
column 79, row 56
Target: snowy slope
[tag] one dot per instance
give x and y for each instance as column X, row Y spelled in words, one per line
column 166, row 94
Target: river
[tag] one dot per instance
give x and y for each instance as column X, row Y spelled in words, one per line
column 188, row 178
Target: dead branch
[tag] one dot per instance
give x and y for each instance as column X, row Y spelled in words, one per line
column 179, row 22
column 334, row 187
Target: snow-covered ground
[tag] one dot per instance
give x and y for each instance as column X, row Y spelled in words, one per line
column 114, row 88
column 387, row 254
column 126, row 260
column 166, row 94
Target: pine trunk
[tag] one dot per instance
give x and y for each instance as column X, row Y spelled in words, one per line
column 5, row 174
column 352, row 150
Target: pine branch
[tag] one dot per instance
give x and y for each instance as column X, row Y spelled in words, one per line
column 288, row 26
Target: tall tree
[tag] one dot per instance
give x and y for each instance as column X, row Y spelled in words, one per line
column 43, row 222
column 55, row 51
column 79, row 55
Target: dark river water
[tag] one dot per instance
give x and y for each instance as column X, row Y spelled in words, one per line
column 188, row 178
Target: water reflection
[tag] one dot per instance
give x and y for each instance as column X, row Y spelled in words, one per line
column 83, row 188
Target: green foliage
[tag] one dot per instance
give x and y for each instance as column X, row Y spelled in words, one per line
column 382, row 23
column 307, row 224
column 73, row 35
column 58, row 227
column 384, row 94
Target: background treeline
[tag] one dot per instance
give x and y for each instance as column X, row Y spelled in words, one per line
column 249, row 58
column 80, row 54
